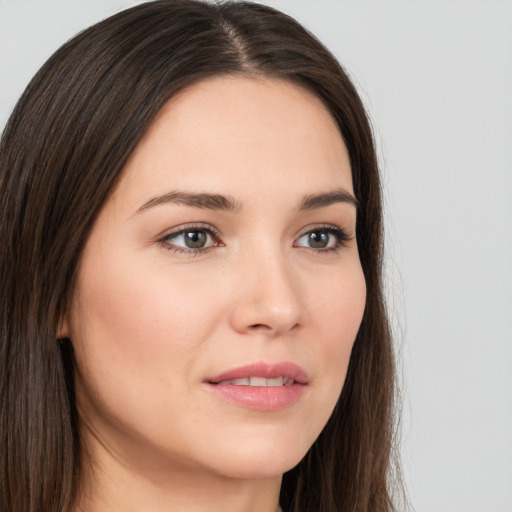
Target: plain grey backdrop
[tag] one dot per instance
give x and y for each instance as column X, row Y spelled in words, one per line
column 436, row 76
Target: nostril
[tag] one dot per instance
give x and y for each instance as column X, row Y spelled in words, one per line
column 266, row 327
column 260, row 326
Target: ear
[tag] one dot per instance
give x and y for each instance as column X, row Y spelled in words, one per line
column 63, row 328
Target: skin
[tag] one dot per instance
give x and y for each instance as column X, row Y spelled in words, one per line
column 150, row 320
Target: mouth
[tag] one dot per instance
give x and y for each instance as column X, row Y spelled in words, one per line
column 261, row 386
column 259, row 381
column 262, row 374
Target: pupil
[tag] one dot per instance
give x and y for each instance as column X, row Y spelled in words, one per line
column 195, row 239
column 318, row 239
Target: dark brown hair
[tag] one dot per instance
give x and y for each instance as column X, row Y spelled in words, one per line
column 61, row 152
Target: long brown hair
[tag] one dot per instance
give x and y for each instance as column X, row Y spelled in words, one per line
column 62, row 150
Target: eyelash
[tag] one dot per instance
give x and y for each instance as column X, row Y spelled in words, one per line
column 214, row 234
column 341, row 236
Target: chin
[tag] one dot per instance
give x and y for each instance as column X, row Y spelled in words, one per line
column 247, row 469
column 257, row 457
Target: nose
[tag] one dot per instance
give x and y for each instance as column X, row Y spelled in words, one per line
column 268, row 298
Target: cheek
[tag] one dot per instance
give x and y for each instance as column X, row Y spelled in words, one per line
column 338, row 308
column 133, row 338
column 338, row 314
column 136, row 350
column 141, row 312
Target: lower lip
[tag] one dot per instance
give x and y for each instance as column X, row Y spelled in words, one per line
column 260, row 398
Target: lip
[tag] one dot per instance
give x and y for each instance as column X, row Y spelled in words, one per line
column 268, row 371
column 261, row 398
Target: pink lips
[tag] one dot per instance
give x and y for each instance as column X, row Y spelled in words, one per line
column 261, row 397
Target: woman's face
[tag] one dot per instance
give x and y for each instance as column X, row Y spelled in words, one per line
column 220, row 290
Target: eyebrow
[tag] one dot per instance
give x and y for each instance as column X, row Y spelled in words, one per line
column 227, row 203
column 203, row 200
column 339, row 195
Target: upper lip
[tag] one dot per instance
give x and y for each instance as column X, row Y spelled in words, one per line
column 269, row 371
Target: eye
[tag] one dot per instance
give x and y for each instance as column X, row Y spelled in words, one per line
column 190, row 239
column 323, row 239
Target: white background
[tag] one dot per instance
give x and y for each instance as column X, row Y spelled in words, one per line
column 436, row 76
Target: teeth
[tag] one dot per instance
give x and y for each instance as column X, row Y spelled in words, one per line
column 258, row 381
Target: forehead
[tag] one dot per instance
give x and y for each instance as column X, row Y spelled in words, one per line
column 228, row 134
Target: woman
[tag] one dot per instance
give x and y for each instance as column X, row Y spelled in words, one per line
column 192, row 312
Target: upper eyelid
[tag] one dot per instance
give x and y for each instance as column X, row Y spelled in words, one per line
column 326, row 227
column 164, row 239
column 189, row 227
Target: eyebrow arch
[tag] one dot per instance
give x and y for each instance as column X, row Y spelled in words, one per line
column 228, row 203
column 338, row 195
column 202, row 200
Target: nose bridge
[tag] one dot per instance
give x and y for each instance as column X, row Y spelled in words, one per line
column 269, row 298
